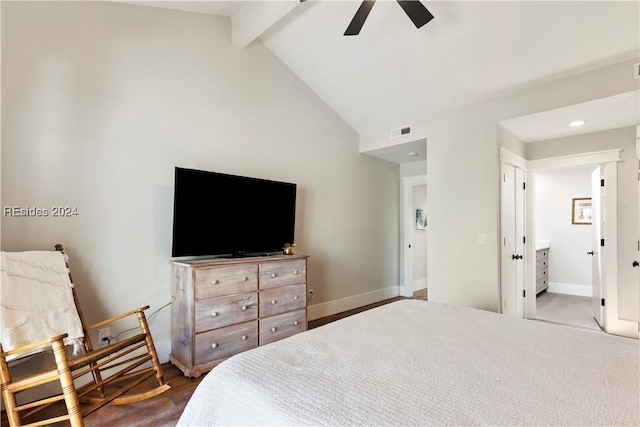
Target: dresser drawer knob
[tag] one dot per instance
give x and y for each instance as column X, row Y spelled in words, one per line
column 273, row 302
column 273, row 275
column 244, row 338
column 274, row 329
column 214, row 345
column 295, row 297
column 245, row 278
column 214, row 282
column 295, row 323
column 214, row 314
column 244, row 308
column 295, row 272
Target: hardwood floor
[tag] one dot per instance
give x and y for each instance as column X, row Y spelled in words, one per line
column 162, row 411
column 421, row 294
column 165, row 409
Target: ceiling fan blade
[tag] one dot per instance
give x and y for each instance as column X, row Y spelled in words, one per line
column 358, row 19
column 416, row 12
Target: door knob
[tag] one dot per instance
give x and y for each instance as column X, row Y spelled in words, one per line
column 516, row 256
column 590, row 253
column 636, row 264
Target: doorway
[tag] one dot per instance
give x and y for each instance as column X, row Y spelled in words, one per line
column 565, row 218
column 608, row 160
column 414, row 236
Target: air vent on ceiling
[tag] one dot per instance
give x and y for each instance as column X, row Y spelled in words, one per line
column 397, row 133
column 636, row 71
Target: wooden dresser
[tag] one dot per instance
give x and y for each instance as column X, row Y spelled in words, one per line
column 542, row 269
column 225, row 306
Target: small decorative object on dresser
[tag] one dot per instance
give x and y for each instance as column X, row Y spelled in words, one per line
column 287, row 249
column 225, row 306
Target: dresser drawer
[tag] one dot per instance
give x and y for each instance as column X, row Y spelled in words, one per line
column 285, row 298
column 225, row 342
column 541, row 263
column 282, row 273
column 281, row 326
column 542, row 253
column 212, row 313
column 219, row 281
column 541, row 284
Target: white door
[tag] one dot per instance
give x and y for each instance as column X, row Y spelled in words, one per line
column 512, row 242
column 597, row 193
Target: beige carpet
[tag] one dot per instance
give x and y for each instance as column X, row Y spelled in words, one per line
column 567, row 309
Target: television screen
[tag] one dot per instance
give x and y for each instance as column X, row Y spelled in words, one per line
column 218, row 214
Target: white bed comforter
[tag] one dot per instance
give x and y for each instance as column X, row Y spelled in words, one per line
column 421, row 363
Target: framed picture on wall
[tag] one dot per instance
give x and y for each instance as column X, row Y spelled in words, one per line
column 421, row 219
column 581, row 210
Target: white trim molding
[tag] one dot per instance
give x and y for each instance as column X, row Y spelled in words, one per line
column 511, row 158
column 638, row 142
column 419, row 285
column 415, row 180
column 595, row 158
column 570, row 289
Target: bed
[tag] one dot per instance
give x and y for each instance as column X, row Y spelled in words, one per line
column 422, row 363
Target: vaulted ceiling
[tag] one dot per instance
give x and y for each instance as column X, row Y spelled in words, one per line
column 471, row 51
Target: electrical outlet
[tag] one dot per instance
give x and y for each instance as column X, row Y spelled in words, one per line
column 482, row 239
column 104, row 335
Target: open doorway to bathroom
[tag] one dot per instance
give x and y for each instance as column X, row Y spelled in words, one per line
column 564, row 246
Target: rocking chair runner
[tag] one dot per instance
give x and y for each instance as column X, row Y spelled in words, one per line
column 112, row 371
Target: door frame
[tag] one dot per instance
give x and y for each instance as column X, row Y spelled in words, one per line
column 609, row 160
column 406, row 241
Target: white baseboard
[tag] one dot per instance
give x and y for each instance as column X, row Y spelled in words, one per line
column 328, row 308
column 570, row 289
column 625, row 328
column 419, row 285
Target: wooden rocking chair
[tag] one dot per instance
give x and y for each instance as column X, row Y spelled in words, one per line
column 105, row 375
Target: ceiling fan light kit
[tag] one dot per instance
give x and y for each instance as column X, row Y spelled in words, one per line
column 415, row 10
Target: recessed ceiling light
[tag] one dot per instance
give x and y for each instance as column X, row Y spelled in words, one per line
column 412, row 153
column 576, row 123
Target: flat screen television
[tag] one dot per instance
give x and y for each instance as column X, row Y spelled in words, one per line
column 216, row 214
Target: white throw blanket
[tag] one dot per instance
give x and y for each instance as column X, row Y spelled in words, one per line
column 36, row 299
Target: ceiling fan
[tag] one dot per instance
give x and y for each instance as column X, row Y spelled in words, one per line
column 413, row 8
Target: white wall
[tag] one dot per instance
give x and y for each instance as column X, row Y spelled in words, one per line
column 101, row 100
column 624, row 138
column 462, row 159
column 569, row 264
